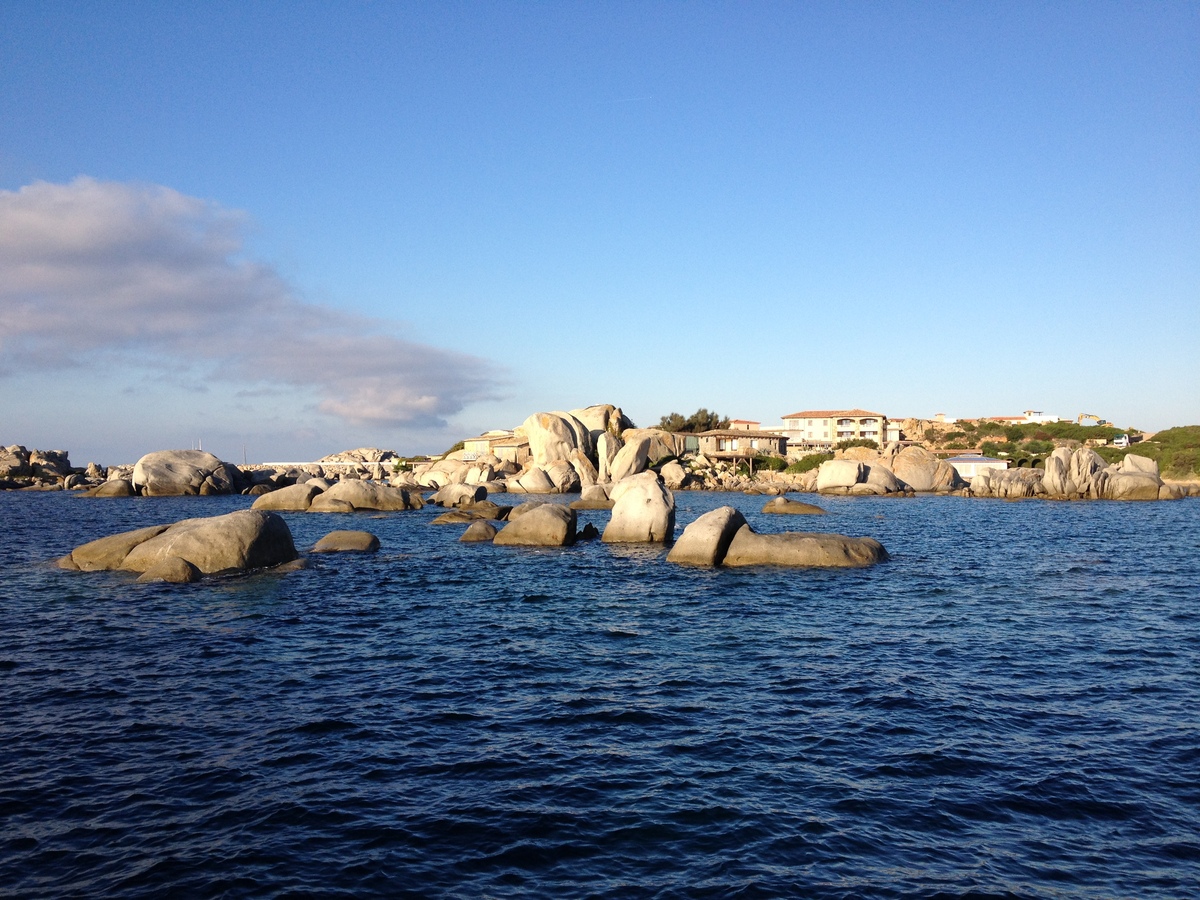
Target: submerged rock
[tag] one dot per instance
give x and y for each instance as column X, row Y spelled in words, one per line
column 347, row 542
column 784, row 506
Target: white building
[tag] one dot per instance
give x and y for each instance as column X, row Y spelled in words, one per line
column 822, row 428
column 968, row 467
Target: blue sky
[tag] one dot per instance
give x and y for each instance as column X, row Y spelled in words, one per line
column 298, row 228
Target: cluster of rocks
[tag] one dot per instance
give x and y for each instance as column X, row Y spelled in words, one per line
column 894, row 471
column 642, row 512
column 42, row 470
column 1076, row 475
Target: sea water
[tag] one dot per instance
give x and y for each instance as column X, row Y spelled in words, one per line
column 1008, row 707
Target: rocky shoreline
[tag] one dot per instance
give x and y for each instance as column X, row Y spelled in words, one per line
column 590, row 451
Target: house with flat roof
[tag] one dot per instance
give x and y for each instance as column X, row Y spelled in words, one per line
column 737, row 443
column 968, row 466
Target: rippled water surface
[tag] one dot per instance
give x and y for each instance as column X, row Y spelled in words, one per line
column 1009, row 707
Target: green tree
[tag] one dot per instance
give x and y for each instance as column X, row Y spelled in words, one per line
column 700, row 420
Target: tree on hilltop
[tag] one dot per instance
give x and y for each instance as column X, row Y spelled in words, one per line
column 700, row 420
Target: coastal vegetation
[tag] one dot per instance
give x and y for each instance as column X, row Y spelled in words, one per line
column 1176, row 450
column 808, row 463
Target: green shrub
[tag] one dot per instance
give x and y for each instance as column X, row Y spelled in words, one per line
column 932, row 435
column 855, row 442
column 1036, row 446
column 955, row 435
column 770, row 463
column 808, row 463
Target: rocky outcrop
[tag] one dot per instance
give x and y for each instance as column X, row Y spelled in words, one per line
column 349, row 496
column 1008, row 484
column 643, row 511
column 347, row 542
column 544, row 525
column 802, row 549
column 1081, row 474
column 706, row 541
column 247, row 539
column 175, row 473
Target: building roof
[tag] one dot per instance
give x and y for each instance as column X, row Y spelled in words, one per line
column 831, row 413
column 743, row 421
column 735, row 433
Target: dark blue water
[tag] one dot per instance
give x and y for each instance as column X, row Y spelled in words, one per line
column 1009, row 707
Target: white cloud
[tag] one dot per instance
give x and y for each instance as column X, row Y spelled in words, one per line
column 102, row 272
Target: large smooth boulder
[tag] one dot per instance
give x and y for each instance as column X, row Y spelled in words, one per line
column 674, row 475
column 174, row 473
column 545, row 525
column 643, row 511
column 347, row 542
column 365, row 495
column 607, row 448
column 1129, row 486
column 882, row 479
column 586, row 472
column 534, row 481
column 172, row 570
column 118, row 487
column 246, row 539
column 1132, row 463
column 295, row 498
column 802, row 549
column 108, row 553
column 705, row 541
column 563, row 475
column 839, row 474
column 478, row 532
column 553, row 435
column 630, row 459
column 920, row 470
